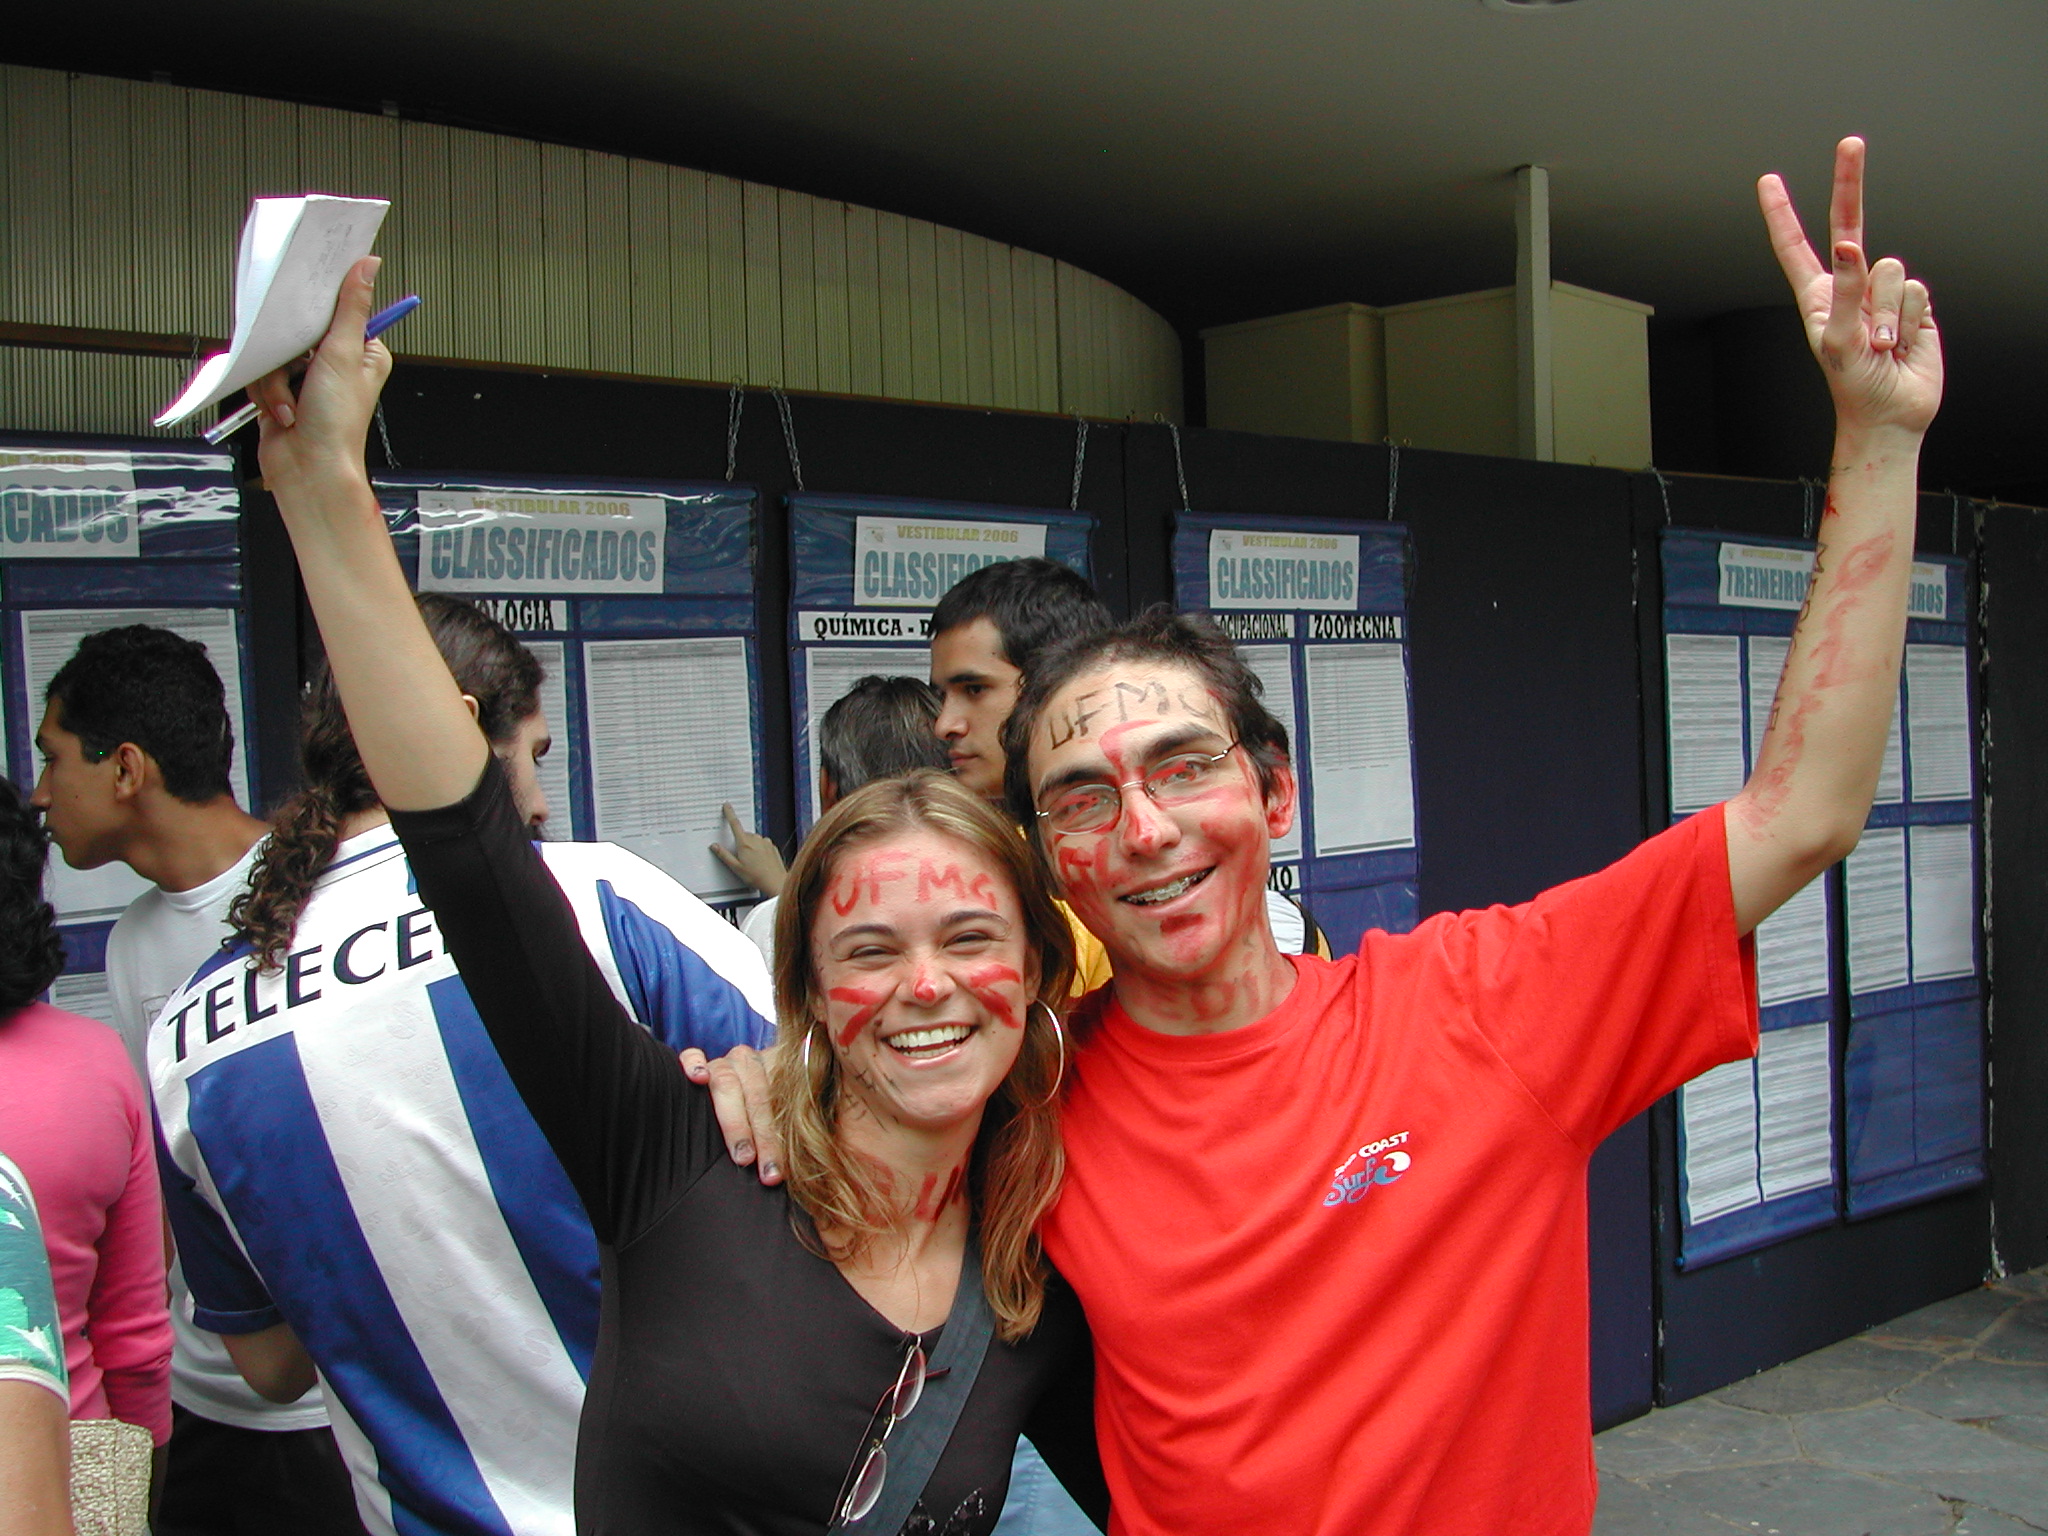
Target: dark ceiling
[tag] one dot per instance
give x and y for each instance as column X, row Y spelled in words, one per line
column 1227, row 160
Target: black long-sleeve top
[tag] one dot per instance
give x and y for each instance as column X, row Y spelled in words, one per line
column 737, row 1372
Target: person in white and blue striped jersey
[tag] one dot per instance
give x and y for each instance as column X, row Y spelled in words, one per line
column 355, row 1185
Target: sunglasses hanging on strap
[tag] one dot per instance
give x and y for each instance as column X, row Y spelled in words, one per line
column 891, row 1468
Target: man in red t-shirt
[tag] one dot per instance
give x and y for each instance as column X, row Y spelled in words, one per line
column 1328, row 1219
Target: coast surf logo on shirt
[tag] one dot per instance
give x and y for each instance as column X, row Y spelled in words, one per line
column 1375, row 1163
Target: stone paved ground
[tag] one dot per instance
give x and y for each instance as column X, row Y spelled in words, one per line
column 1933, row 1425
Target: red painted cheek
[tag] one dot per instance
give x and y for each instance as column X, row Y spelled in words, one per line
column 987, row 982
column 1078, row 862
column 866, row 1004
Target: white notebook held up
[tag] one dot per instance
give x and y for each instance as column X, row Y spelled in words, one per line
column 295, row 252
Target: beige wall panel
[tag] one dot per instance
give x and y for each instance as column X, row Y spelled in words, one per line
column 1024, row 322
column 271, row 148
column 102, row 204
column 863, row 301
column 799, row 301
column 426, row 263
column 764, row 283
column 121, row 204
column 1080, row 339
column 522, row 263
column 564, row 321
column 478, row 251
column 650, row 340
column 689, row 273
column 892, row 258
column 725, row 247
column 217, row 196
column 685, row 200
column 326, row 153
column 38, row 389
column 1290, row 375
column 159, row 151
column 952, row 314
column 373, row 148
column 677, row 198
column 38, row 148
column 974, row 299
column 1002, row 331
column 1046, row 296
column 607, row 233
column 1600, row 379
column 828, row 274
column 1451, row 373
column 927, row 347
column 7, row 219
column 1126, row 378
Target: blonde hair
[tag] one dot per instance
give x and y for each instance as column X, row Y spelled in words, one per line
column 1018, row 1161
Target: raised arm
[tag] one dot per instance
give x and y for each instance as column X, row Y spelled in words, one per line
column 1816, row 771
column 415, row 734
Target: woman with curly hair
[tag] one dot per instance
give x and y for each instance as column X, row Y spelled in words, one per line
column 73, row 1117
column 860, row 1348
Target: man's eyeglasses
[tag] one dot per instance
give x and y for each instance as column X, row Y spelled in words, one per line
column 1098, row 807
column 870, row 1469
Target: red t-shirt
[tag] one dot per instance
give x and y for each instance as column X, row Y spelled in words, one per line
column 1335, row 1261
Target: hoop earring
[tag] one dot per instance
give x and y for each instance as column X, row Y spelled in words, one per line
column 1059, row 1076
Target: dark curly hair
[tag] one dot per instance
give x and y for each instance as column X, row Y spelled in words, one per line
column 490, row 666
column 1032, row 603
column 157, row 689
column 31, row 954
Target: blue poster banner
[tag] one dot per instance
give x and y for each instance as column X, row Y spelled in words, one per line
column 95, row 533
column 1867, row 1089
column 1319, row 612
column 865, row 573
column 639, row 598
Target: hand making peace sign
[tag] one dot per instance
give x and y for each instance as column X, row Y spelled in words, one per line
column 1870, row 326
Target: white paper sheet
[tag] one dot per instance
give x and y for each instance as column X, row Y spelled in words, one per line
column 1704, row 701
column 1274, row 665
column 1876, row 918
column 294, row 253
column 1795, row 1110
column 1944, row 911
column 1719, row 1112
column 554, row 768
column 1891, row 772
column 1358, row 762
column 829, row 675
column 1938, row 721
column 1792, row 948
column 84, row 993
column 1766, row 665
column 48, row 637
column 671, row 741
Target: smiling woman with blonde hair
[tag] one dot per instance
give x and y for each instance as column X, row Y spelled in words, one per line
column 861, row 1349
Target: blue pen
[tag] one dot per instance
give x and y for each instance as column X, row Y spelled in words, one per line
column 376, row 325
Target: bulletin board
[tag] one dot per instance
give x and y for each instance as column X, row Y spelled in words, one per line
column 1866, row 1092
column 1319, row 612
column 97, row 533
column 865, row 573
column 639, row 598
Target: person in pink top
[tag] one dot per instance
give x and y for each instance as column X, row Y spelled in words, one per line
column 72, row 1116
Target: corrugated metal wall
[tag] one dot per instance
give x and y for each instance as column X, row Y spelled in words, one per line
column 121, row 202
